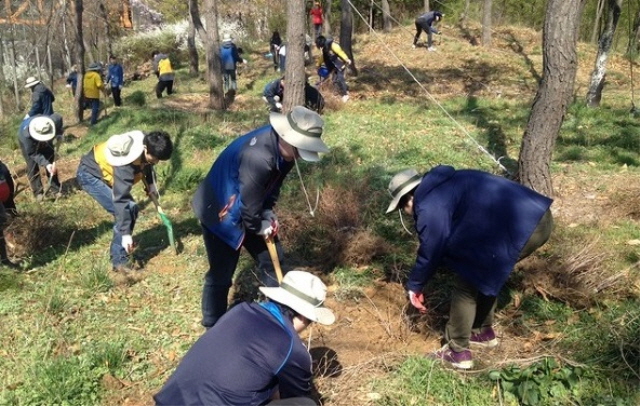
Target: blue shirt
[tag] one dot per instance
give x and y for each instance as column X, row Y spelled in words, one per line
column 115, row 75
column 473, row 223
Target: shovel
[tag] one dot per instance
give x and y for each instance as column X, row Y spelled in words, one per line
column 165, row 220
column 273, row 253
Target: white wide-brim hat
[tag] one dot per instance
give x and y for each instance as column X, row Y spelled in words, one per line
column 302, row 129
column 122, row 149
column 401, row 184
column 42, row 128
column 226, row 38
column 305, row 294
column 31, row 82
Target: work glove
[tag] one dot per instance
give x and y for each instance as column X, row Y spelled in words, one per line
column 417, row 300
column 68, row 85
column 127, row 243
column 267, row 230
column 244, row 61
column 270, row 216
column 279, row 106
column 51, row 168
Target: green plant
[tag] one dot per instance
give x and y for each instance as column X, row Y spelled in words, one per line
column 137, row 98
column 538, row 382
column 97, row 280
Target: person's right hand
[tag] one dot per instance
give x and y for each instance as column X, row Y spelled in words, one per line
column 417, row 300
column 279, row 106
column 51, row 168
column 127, row 243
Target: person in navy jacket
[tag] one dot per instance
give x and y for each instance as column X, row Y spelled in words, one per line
column 425, row 23
column 253, row 355
column 235, row 202
column 477, row 225
column 115, row 78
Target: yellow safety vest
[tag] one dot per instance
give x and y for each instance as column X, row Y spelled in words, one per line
column 100, row 155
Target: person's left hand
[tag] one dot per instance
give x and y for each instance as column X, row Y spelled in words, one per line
column 417, row 300
column 270, row 216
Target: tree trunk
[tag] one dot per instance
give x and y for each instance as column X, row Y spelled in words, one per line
column 427, row 8
column 386, row 16
column 65, row 42
column 634, row 40
column 596, row 21
column 463, row 17
column 209, row 37
column 486, row 23
column 107, row 26
column 594, row 94
column 326, row 24
column 79, row 9
column 13, row 65
column 346, row 30
column 191, row 46
column 560, row 62
column 294, row 75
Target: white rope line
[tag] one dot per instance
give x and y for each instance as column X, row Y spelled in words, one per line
column 433, row 99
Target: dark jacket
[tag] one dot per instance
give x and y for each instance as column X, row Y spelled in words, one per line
column 229, row 56
column 41, row 100
column 473, row 223
column 273, row 89
column 426, row 20
column 249, row 353
column 243, row 182
column 36, row 151
column 72, row 80
column 333, row 55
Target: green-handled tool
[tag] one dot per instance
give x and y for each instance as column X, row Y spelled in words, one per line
column 165, row 220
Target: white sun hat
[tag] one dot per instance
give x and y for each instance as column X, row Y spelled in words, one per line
column 122, row 149
column 302, row 129
column 401, row 184
column 31, row 82
column 304, row 293
column 42, row 128
column 226, row 37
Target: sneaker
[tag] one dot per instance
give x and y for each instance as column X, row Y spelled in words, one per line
column 431, row 49
column 486, row 338
column 345, row 98
column 460, row 360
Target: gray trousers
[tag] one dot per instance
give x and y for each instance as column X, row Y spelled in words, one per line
column 471, row 311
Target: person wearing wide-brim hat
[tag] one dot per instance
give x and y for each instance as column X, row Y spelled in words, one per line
column 235, row 202
column 477, row 225
column 254, row 354
column 108, row 173
column 36, row 136
column 92, row 85
column 41, row 98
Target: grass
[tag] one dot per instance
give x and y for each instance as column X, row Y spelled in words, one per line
column 73, row 333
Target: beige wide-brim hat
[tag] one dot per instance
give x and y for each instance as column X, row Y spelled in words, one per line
column 31, row 82
column 401, row 184
column 226, row 38
column 42, row 128
column 302, row 129
column 305, row 294
column 122, row 149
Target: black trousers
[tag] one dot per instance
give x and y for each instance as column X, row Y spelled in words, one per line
column 117, row 99
column 33, row 169
column 164, row 84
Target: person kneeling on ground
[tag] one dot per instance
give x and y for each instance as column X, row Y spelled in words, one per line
column 36, row 136
column 109, row 171
column 479, row 226
column 253, row 355
column 273, row 94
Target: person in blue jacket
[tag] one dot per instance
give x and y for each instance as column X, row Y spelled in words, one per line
column 115, row 78
column 235, row 202
column 425, row 23
column 253, row 355
column 479, row 226
column 273, row 94
column 72, row 79
column 41, row 98
column 229, row 58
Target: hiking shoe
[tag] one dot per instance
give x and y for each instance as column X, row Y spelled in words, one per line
column 486, row 338
column 345, row 98
column 460, row 360
column 431, row 49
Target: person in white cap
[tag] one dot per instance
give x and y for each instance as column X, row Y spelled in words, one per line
column 41, row 98
column 229, row 58
column 35, row 136
column 235, row 201
column 477, row 225
column 108, row 173
column 254, row 355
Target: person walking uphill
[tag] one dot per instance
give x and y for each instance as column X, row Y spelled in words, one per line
column 164, row 71
column 41, row 98
column 336, row 61
column 229, row 58
column 35, row 136
column 109, row 171
column 253, row 355
column 235, row 201
column 115, row 78
column 479, row 226
column 92, row 85
column 425, row 23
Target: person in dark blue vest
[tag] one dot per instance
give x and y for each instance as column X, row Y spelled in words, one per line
column 72, row 79
column 477, row 225
column 235, row 202
column 41, row 98
column 229, row 58
column 426, row 23
column 253, row 356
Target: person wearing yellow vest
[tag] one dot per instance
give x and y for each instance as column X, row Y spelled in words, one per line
column 163, row 70
column 92, row 85
column 108, row 173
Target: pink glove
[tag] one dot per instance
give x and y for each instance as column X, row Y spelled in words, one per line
column 417, row 300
